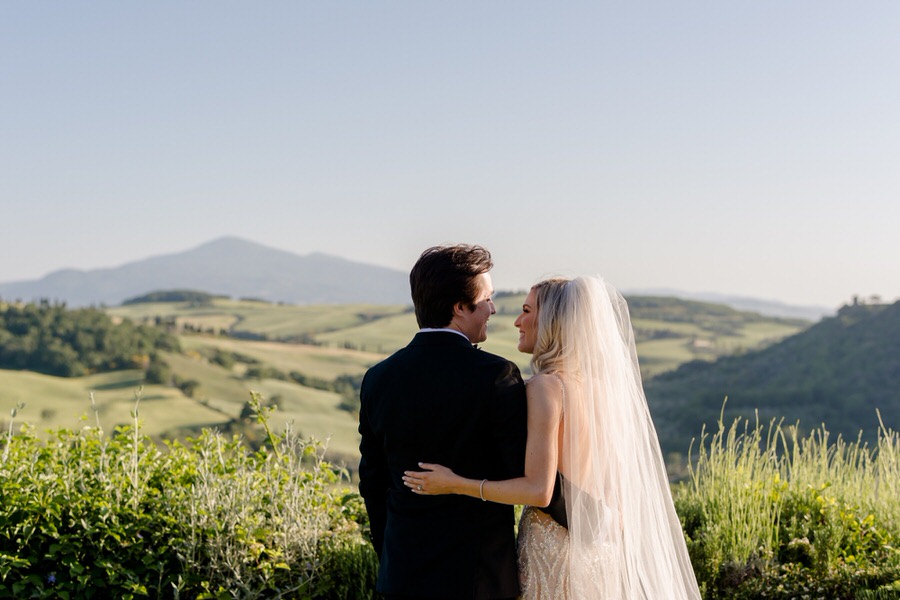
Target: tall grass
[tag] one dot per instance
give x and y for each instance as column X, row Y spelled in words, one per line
column 771, row 513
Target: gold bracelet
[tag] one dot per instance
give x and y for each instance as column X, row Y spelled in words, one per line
column 481, row 490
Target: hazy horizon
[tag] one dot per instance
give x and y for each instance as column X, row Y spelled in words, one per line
column 740, row 149
column 704, row 294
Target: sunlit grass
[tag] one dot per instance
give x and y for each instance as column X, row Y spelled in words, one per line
column 52, row 402
column 314, row 361
column 766, row 509
column 275, row 321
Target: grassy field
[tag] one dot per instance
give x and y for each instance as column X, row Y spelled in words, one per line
column 669, row 332
column 322, row 362
column 343, row 340
column 678, row 343
column 314, row 412
column 280, row 321
column 52, row 402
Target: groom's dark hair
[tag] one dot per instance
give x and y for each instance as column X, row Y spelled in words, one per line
column 443, row 276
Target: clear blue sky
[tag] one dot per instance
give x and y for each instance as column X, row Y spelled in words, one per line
column 748, row 148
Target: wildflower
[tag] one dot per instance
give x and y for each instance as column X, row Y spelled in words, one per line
column 51, row 578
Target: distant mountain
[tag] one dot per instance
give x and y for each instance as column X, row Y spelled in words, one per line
column 836, row 372
column 229, row 266
column 772, row 308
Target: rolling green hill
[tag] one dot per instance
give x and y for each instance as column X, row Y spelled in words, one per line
column 669, row 331
column 837, row 372
column 164, row 411
column 254, row 318
column 313, row 412
column 52, row 402
column 221, row 341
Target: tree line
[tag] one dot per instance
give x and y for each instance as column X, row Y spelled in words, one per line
column 49, row 338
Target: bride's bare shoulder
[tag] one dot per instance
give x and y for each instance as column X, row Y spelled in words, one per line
column 548, row 385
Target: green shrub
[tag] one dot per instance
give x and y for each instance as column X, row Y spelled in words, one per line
column 85, row 514
column 348, row 568
column 158, row 371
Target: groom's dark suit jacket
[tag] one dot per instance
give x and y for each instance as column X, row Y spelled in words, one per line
column 440, row 400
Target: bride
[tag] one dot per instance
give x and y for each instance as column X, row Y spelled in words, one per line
column 608, row 528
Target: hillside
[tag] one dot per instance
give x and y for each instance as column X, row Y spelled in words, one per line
column 230, row 266
column 218, row 399
column 51, row 402
column 837, row 372
column 669, row 331
column 230, row 347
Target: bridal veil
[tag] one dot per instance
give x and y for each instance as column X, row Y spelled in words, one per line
column 625, row 539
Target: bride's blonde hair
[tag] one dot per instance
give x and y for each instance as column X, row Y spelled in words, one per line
column 549, row 352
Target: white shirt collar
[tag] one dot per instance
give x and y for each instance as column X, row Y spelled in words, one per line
column 432, row 329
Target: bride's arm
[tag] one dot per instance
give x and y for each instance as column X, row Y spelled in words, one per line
column 544, row 393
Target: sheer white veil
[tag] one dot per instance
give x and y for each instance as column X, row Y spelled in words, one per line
column 625, row 539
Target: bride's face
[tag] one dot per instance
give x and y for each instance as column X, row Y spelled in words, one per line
column 527, row 325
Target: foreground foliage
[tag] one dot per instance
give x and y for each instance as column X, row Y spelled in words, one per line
column 768, row 514
column 90, row 515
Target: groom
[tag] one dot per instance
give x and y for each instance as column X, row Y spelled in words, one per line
column 440, row 400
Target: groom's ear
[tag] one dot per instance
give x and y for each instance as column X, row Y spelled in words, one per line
column 459, row 309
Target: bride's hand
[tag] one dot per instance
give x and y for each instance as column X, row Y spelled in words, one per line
column 433, row 480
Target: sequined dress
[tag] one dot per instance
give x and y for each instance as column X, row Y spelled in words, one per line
column 548, row 570
column 543, row 557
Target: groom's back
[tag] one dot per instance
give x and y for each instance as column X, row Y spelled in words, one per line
column 440, row 400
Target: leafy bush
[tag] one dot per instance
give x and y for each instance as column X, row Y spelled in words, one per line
column 85, row 514
column 158, row 371
column 265, row 372
column 188, row 387
column 345, row 385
